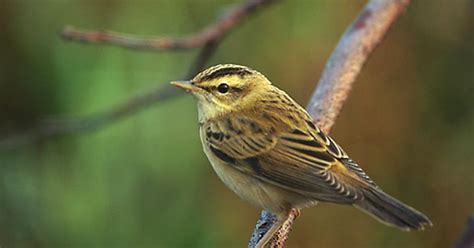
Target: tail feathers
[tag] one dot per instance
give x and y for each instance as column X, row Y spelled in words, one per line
column 391, row 211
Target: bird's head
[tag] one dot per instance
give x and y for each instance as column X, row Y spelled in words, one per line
column 222, row 89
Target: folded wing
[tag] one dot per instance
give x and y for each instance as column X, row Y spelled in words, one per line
column 303, row 160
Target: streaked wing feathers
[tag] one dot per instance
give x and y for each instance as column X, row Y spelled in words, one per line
column 302, row 160
column 339, row 153
column 239, row 138
column 301, row 163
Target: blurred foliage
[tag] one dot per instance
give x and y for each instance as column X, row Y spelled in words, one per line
column 145, row 182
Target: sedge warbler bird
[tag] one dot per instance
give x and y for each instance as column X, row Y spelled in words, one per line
column 265, row 147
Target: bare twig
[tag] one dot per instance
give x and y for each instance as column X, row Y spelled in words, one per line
column 467, row 239
column 341, row 70
column 56, row 127
column 211, row 33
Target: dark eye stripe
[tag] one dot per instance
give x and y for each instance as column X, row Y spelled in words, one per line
column 236, row 89
column 206, row 88
column 214, row 88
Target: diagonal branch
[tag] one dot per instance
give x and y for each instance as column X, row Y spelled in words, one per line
column 56, row 127
column 341, row 71
column 211, row 33
column 350, row 54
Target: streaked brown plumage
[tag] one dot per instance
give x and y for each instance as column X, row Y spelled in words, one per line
column 265, row 147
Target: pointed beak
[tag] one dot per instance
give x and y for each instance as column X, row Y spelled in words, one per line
column 186, row 85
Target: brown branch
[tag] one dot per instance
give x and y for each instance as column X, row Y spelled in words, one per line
column 211, row 33
column 349, row 56
column 56, row 127
column 341, row 71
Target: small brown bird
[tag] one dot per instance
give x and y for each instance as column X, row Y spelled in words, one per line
column 266, row 148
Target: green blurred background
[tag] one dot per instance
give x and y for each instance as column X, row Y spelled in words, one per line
column 144, row 181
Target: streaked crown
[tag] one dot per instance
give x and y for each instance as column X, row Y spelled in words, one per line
column 224, row 70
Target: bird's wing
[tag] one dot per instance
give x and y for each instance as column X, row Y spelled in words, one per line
column 335, row 150
column 302, row 160
column 238, row 138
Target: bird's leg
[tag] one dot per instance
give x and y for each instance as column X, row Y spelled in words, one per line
column 283, row 219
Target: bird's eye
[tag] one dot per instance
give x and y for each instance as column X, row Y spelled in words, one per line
column 223, row 88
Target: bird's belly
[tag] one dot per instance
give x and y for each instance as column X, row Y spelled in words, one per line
column 261, row 194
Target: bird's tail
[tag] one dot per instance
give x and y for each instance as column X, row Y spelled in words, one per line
column 391, row 211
